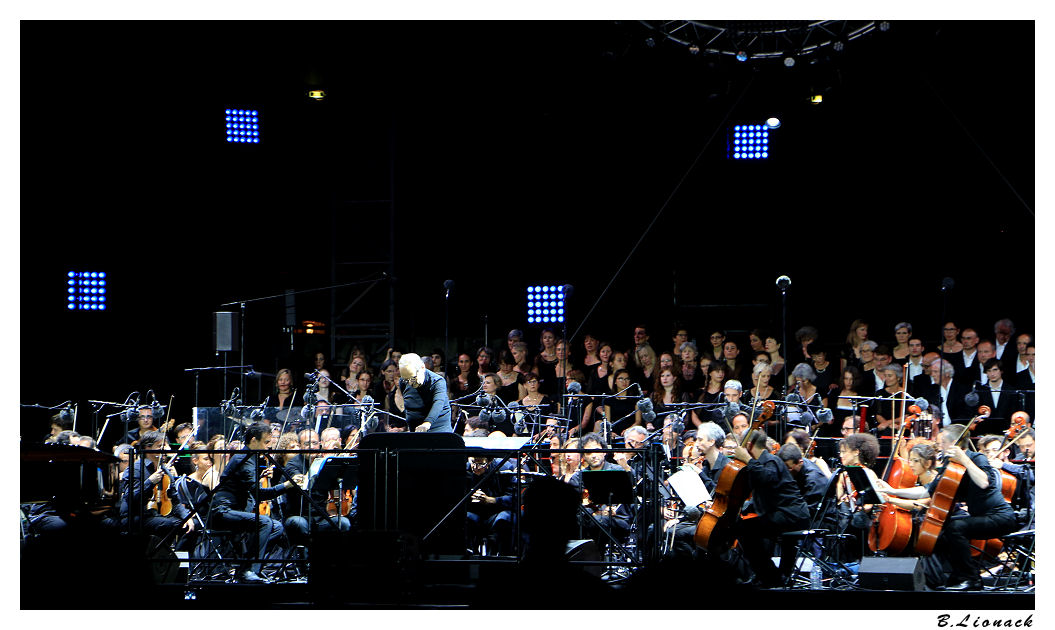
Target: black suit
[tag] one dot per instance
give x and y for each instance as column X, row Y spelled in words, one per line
column 1000, row 417
column 919, row 384
column 965, row 372
column 1024, row 380
column 958, row 410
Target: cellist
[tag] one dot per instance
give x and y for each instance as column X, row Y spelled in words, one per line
column 989, row 515
column 780, row 508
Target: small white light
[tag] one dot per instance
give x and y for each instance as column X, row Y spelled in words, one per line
column 773, row 123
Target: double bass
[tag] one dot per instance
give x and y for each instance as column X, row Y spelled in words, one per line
column 714, row 532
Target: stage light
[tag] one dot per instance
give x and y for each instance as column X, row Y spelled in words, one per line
column 545, row 304
column 318, row 95
column 817, row 99
column 741, row 56
column 86, row 290
column 243, row 125
column 751, row 142
column 789, row 61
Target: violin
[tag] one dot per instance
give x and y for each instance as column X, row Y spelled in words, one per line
column 714, row 531
column 344, row 505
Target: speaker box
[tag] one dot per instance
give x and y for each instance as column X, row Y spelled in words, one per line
column 225, row 331
column 891, row 574
column 411, row 491
column 584, row 550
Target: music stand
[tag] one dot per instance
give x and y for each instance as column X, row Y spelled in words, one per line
column 614, row 485
column 863, row 483
column 337, row 472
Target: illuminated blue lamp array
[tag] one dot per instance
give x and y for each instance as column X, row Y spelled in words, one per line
column 750, row 142
column 86, row 290
column 545, row 304
column 243, row 125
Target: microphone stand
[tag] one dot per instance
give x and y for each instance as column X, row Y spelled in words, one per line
column 371, row 280
column 787, row 353
column 198, row 370
column 945, row 286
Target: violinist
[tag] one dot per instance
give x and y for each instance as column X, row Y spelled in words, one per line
column 146, row 423
column 780, row 508
column 802, row 438
column 489, row 514
column 856, row 449
column 238, row 493
column 295, row 509
column 614, row 518
column 989, row 515
column 142, row 494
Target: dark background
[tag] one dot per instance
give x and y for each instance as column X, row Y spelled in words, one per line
column 513, row 153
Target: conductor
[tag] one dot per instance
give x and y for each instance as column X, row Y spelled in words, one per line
column 424, row 395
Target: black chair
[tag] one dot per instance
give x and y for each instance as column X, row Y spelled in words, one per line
column 811, row 545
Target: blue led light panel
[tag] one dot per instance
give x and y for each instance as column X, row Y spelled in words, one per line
column 545, row 304
column 86, row 291
column 243, row 125
column 749, row 142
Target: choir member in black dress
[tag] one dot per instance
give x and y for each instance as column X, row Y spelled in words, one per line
column 851, row 354
column 902, row 334
column 512, row 388
column 546, row 364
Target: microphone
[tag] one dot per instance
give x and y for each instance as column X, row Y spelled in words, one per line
column 367, row 400
column 731, row 409
column 448, row 285
column 519, row 426
column 947, row 284
column 236, row 396
column 311, row 375
column 922, row 403
column 824, row 415
column 972, row 397
column 648, row 413
column 794, row 397
column 783, row 282
column 574, row 387
column 305, row 412
column 483, row 400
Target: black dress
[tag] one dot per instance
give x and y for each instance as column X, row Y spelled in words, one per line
column 547, row 377
column 511, row 393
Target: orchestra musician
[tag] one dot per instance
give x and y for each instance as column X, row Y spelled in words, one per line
column 233, row 501
column 990, row 516
column 780, row 508
column 808, row 477
column 614, row 518
column 140, row 502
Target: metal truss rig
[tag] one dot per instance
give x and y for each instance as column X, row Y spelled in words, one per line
column 763, row 39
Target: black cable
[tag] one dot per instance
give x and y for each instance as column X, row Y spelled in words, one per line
column 663, row 207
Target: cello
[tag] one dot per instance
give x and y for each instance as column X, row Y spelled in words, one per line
column 944, row 497
column 714, row 532
column 891, row 528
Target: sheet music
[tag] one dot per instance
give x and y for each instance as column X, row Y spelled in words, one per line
column 689, row 487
